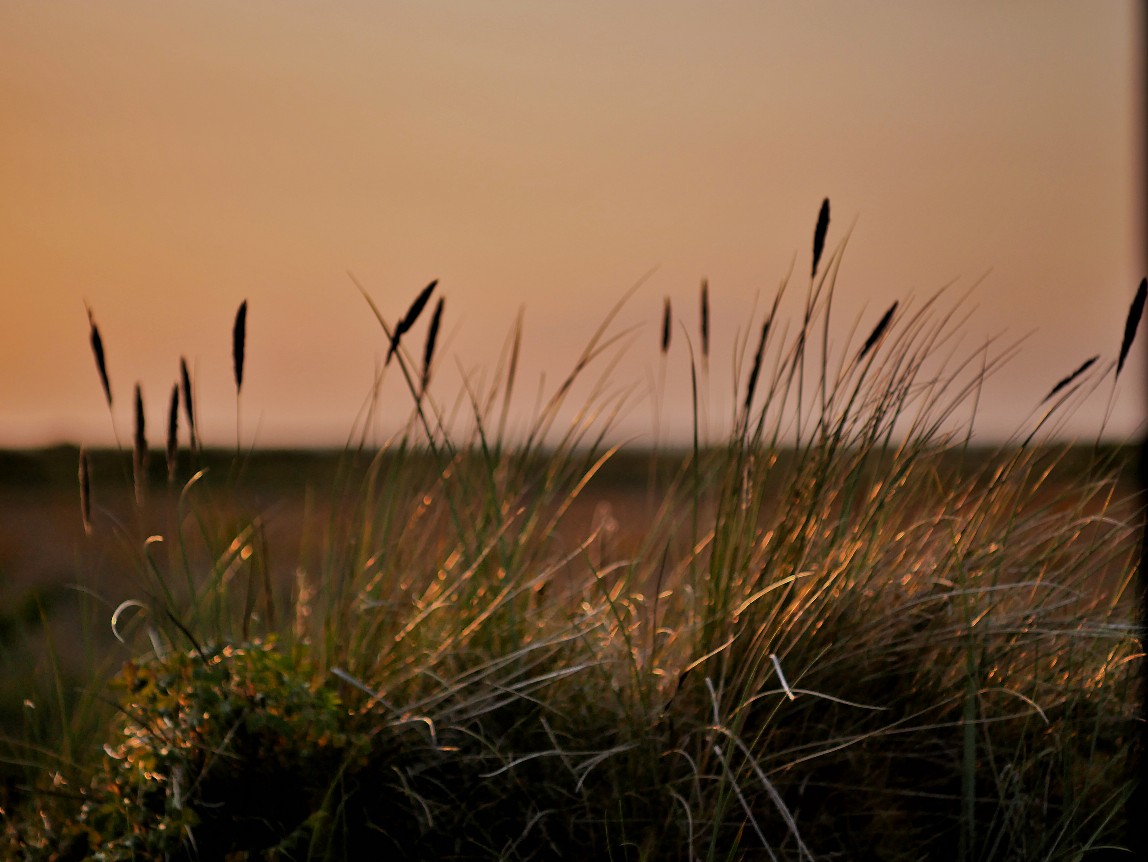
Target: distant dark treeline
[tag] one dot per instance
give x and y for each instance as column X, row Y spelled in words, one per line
column 58, row 465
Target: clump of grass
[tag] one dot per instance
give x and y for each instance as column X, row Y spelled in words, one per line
column 844, row 633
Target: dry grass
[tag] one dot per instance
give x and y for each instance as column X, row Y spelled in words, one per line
column 841, row 634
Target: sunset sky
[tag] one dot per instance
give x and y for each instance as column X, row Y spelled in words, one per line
column 163, row 162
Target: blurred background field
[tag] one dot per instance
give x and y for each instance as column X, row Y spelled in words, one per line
column 50, row 570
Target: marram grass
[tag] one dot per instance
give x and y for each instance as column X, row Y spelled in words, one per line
column 843, row 634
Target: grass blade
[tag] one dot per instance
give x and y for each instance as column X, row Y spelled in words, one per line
column 85, row 477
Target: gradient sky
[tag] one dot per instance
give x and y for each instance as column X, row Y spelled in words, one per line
column 164, row 162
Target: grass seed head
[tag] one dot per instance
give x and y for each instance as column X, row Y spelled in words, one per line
column 705, row 318
column 410, row 317
column 239, row 343
column 139, row 449
column 1131, row 323
column 756, row 369
column 101, row 360
column 188, row 407
column 172, row 448
column 878, row 331
column 819, row 235
column 432, row 337
column 1084, row 366
column 667, row 317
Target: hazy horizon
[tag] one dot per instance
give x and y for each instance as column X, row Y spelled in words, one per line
column 162, row 164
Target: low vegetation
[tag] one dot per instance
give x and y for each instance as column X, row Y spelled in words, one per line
column 845, row 633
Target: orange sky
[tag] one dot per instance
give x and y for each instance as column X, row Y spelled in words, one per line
column 165, row 161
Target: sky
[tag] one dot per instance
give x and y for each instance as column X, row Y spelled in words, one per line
column 162, row 162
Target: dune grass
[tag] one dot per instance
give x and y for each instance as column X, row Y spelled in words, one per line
column 842, row 634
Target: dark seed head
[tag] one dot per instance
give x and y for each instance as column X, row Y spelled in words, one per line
column 819, row 234
column 751, row 386
column 878, row 331
column 410, row 317
column 705, row 318
column 432, row 337
column 172, row 448
column 1084, row 366
column 1131, row 324
column 239, row 343
column 188, row 407
column 101, row 361
column 666, row 326
column 139, row 449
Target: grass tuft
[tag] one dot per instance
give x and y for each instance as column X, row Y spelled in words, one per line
column 844, row 632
